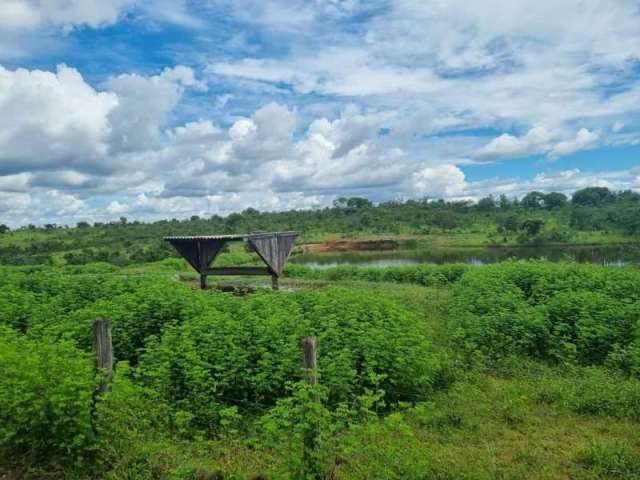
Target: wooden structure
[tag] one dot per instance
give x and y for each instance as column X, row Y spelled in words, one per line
column 200, row 251
column 103, row 348
column 311, row 434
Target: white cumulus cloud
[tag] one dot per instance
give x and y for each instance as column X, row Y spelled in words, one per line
column 443, row 181
column 52, row 118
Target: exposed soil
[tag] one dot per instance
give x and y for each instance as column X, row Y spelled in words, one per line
column 350, row 246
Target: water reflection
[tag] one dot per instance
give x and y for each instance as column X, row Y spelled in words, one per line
column 610, row 255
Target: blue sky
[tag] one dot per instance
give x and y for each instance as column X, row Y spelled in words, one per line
column 170, row 108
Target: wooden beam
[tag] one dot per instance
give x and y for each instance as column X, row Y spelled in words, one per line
column 239, row 271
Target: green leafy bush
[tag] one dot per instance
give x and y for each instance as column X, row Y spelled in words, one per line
column 137, row 309
column 559, row 312
column 125, row 418
column 426, row 274
column 45, row 400
column 16, row 308
column 243, row 352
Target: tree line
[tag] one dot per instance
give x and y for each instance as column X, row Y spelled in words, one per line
column 536, row 218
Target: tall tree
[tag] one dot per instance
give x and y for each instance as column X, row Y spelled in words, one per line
column 593, row 196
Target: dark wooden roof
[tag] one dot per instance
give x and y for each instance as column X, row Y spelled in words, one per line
column 238, row 236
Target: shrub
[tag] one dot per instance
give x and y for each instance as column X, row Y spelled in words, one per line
column 426, row 275
column 142, row 311
column 45, row 400
column 560, row 312
column 126, row 417
column 16, row 308
column 243, row 352
column 591, row 322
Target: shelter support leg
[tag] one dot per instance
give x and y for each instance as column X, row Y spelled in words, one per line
column 275, row 282
column 203, row 281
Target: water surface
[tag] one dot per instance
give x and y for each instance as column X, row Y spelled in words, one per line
column 613, row 255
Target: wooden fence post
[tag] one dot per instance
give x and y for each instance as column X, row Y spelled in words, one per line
column 312, row 432
column 103, row 348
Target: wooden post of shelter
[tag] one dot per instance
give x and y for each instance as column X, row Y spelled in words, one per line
column 103, row 348
column 312, row 432
column 200, row 251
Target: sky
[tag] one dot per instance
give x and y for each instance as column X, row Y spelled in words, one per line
column 153, row 109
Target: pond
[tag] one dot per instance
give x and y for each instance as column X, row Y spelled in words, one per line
column 612, row 255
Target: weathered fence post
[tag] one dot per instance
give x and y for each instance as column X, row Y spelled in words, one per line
column 103, row 348
column 312, row 432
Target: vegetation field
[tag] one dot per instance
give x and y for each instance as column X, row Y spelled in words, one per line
column 517, row 370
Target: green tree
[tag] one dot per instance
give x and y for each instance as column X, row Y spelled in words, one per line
column 555, row 200
column 510, row 223
column 593, row 196
column 486, row 204
column 532, row 226
column 628, row 219
column 533, row 200
column 629, row 196
column 504, row 202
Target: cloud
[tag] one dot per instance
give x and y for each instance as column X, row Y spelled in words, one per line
column 584, row 139
column 58, row 122
column 157, row 207
column 26, row 15
column 44, row 207
column 536, row 140
column 50, row 119
column 263, row 152
column 444, row 181
column 174, row 12
column 293, row 15
column 302, row 101
column 524, row 72
column 62, row 138
column 144, row 103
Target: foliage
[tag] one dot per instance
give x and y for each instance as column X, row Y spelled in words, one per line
column 243, row 352
column 45, row 400
column 560, row 312
column 426, row 275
